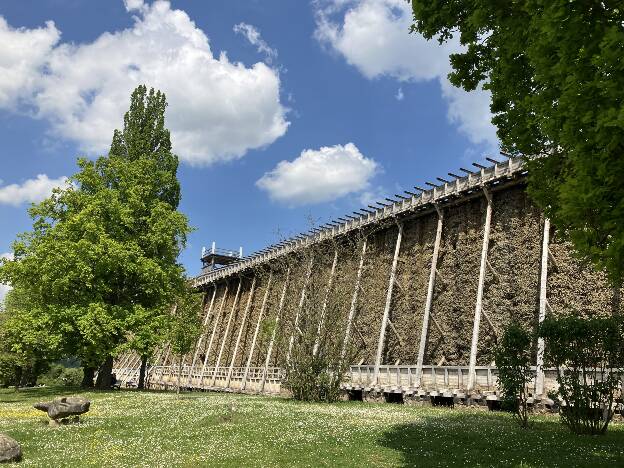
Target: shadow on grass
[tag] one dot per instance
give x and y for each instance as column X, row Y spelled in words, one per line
column 9, row 395
column 467, row 438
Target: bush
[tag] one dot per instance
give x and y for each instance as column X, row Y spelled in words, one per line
column 513, row 358
column 589, row 357
column 59, row 375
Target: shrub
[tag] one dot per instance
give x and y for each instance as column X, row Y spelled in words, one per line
column 59, row 375
column 513, row 358
column 589, row 357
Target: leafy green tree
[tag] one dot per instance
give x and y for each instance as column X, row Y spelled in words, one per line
column 102, row 256
column 556, row 74
column 184, row 327
column 589, row 357
column 513, row 357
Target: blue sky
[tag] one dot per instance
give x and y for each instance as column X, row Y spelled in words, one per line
column 280, row 110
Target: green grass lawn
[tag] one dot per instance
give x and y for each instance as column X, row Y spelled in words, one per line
column 129, row 428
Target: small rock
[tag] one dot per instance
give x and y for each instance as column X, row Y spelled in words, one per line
column 10, row 450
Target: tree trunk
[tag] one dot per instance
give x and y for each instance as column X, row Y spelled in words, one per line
column 179, row 373
column 141, row 384
column 104, row 381
column 616, row 301
column 87, row 377
column 18, row 377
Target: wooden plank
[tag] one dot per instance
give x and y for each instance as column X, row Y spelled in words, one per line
column 299, row 308
column 543, row 304
column 479, row 302
column 227, row 331
column 202, row 337
column 240, row 331
column 217, row 320
column 324, row 307
column 430, row 290
column 386, row 314
column 280, row 308
column 257, row 330
column 354, row 298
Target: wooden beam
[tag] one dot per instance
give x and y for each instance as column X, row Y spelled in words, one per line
column 396, row 332
column 280, row 308
column 479, row 302
column 202, row 337
column 227, row 331
column 240, row 330
column 490, row 323
column 428, row 302
column 256, row 331
column 543, row 303
column 217, row 319
column 386, row 314
column 330, row 283
column 354, row 298
column 299, row 308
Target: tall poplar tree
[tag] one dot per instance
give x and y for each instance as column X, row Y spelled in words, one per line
column 101, row 259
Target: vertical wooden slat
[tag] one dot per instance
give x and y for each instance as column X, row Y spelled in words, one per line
column 274, row 334
column 227, row 330
column 430, row 289
column 539, row 376
column 479, row 303
column 202, row 337
column 240, row 331
column 256, row 331
column 384, row 321
column 217, row 320
column 330, row 283
column 299, row 309
column 354, row 299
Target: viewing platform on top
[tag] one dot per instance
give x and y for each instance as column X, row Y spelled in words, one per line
column 216, row 257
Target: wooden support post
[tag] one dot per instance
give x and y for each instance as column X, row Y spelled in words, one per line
column 280, row 307
column 384, row 320
column 217, row 320
column 354, row 298
column 479, row 303
column 202, row 337
column 299, row 309
column 543, row 303
column 227, row 331
column 430, row 289
column 240, row 331
column 256, row 331
column 330, row 283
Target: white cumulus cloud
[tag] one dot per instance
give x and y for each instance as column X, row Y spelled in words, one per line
column 253, row 36
column 29, row 191
column 218, row 109
column 319, row 175
column 373, row 36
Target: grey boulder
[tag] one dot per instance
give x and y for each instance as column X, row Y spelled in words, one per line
column 64, row 407
column 10, row 450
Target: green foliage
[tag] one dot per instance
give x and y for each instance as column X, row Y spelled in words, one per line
column 316, row 366
column 589, row 357
column 61, row 376
column 28, row 341
column 184, row 325
column 101, row 261
column 513, row 358
column 556, row 75
column 185, row 322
